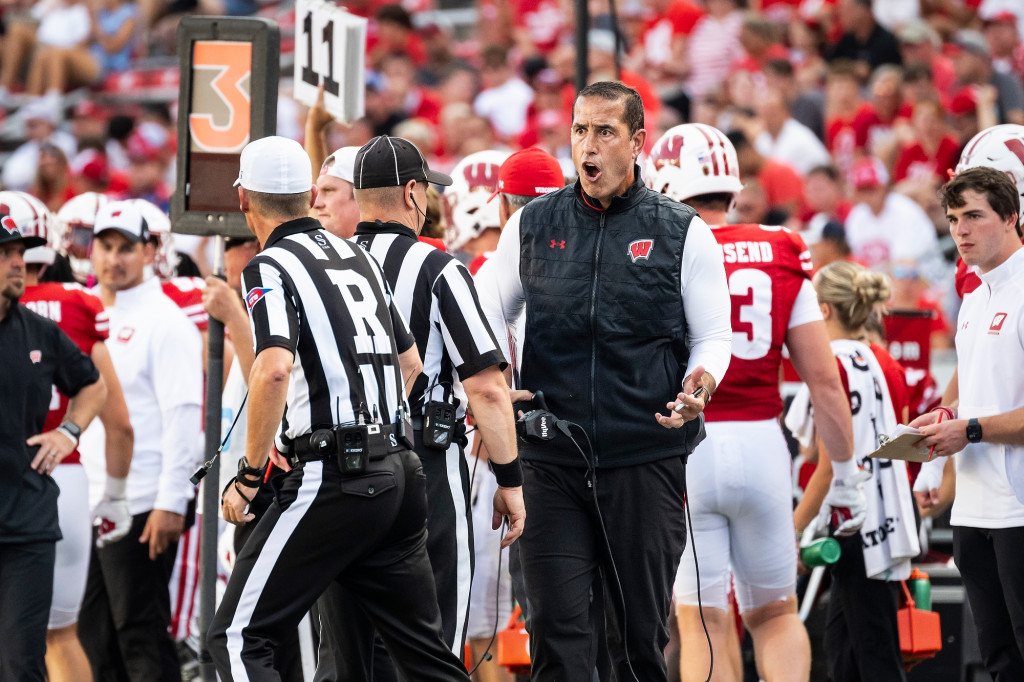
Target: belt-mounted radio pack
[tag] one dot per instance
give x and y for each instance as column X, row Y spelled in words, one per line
column 349, row 444
column 439, row 419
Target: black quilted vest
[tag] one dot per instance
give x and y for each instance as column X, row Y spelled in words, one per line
column 605, row 329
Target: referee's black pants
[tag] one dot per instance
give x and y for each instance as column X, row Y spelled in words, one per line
column 862, row 639
column 26, row 589
column 287, row 656
column 347, row 653
column 126, row 611
column 564, row 555
column 367, row 533
column 991, row 564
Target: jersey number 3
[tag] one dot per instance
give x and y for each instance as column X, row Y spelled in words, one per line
column 751, row 292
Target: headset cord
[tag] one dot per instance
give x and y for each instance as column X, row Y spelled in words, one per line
column 204, row 469
column 497, row 603
column 497, row 588
column 565, row 427
column 696, row 570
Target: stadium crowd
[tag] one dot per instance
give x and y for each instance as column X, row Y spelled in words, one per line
column 839, row 120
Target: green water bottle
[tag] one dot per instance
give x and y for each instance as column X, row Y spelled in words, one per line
column 920, row 587
column 821, row 552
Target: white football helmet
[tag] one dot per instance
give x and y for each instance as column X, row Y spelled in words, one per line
column 693, row 159
column 474, row 180
column 76, row 219
column 1000, row 147
column 166, row 261
column 33, row 219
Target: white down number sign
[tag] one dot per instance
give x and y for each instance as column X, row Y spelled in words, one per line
column 330, row 48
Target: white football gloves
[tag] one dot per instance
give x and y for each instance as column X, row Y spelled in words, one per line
column 111, row 515
column 845, row 504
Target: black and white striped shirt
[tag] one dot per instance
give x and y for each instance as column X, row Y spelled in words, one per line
column 322, row 298
column 435, row 293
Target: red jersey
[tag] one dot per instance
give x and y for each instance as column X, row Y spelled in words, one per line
column 660, row 30
column 871, row 127
column 766, row 268
column 915, row 163
column 81, row 316
column 187, row 294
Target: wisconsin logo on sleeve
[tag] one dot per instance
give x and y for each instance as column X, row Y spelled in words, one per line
column 640, row 249
column 255, row 295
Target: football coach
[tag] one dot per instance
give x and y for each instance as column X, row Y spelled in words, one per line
column 626, row 303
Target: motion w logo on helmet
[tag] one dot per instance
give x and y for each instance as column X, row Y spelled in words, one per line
column 640, row 249
column 8, row 224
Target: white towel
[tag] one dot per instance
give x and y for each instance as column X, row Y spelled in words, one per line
column 889, row 534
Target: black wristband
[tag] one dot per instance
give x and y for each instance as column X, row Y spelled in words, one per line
column 508, row 475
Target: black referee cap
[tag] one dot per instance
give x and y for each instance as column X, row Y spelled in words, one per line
column 9, row 232
column 387, row 161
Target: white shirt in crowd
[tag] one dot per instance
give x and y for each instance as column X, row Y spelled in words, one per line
column 506, row 106
column 19, row 171
column 795, row 145
column 706, row 301
column 157, row 354
column 990, row 352
column 902, row 231
column 715, row 46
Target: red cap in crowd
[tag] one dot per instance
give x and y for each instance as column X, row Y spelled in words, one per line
column 529, row 172
column 963, row 102
column 869, row 173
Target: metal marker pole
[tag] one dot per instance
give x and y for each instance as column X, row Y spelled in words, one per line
column 582, row 26
column 211, row 484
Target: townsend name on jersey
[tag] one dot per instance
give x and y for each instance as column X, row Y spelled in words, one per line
column 747, row 252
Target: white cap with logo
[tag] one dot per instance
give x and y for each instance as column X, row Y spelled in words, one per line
column 275, row 165
column 125, row 217
column 341, row 164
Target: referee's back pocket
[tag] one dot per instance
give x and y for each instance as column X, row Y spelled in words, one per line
column 369, row 485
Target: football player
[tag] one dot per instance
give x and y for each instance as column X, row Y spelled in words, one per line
column 740, row 494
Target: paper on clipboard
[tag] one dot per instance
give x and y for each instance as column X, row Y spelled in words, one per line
column 902, row 444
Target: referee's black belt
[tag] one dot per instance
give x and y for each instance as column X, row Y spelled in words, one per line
column 381, row 444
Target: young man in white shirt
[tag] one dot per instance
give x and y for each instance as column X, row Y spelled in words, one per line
column 157, row 353
column 983, row 426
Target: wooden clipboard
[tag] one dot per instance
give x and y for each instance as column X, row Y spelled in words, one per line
column 903, row 446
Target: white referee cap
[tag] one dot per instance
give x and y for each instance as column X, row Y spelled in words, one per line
column 275, row 165
column 341, row 164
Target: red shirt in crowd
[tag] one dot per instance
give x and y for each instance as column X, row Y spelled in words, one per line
column 781, row 184
column 869, row 124
column 81, row 316
column 914, row 163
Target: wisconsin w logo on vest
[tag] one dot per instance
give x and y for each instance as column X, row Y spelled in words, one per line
column 641, row 248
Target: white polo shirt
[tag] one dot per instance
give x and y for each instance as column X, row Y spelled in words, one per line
column 157, row 354
column 990, row 369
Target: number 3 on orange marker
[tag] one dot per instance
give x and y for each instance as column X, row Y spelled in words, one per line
column 233, row 63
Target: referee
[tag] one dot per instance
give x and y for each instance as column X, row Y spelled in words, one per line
column 461, row 361
column 331, row 351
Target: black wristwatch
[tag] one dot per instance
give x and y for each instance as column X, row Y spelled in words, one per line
column 250, row 477
column 973, row 430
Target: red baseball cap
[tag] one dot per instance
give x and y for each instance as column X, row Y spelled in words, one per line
column 869, row 173
column 963, row 102
column 529, row 172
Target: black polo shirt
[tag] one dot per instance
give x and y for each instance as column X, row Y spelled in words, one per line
column 37, row 355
